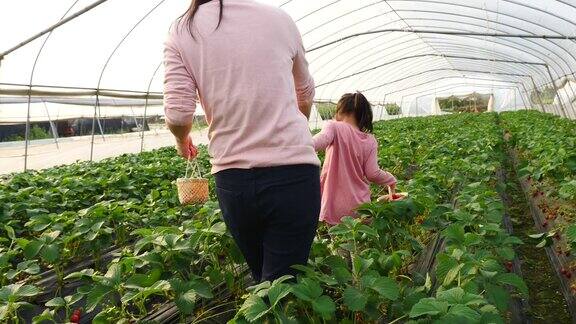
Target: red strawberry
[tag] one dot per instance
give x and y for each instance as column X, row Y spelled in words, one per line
column 509, row 265
column 75, row 318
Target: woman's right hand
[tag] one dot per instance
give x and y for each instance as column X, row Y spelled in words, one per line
column 186, row 148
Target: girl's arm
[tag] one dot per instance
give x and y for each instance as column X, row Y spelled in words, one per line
column 323, row 139
column 375, row 174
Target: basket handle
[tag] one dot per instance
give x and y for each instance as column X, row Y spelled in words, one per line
column 193, row 162
column 193, row 166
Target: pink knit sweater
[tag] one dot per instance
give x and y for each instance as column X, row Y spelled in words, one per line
column 249, row 75
column 350, row 165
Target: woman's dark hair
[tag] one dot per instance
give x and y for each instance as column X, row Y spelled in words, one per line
column 188, row 17
column 357, row 104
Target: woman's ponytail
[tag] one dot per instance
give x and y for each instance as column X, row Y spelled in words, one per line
column 188, row 16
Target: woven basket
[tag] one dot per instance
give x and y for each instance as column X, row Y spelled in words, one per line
column 192, row 190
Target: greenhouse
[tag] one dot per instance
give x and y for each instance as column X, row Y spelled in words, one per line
column 467, row 110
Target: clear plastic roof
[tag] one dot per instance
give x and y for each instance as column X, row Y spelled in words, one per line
column 395, row 51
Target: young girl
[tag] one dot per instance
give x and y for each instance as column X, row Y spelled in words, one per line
column 351, row 159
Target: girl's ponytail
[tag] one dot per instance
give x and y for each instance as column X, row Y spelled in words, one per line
column 359, row 106
column 363, row 112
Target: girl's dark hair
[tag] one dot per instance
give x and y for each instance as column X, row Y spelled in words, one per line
column 188, row 17
column 357, row 104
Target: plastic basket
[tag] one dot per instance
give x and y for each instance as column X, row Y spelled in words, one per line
column 386, row 198
column 194, row 190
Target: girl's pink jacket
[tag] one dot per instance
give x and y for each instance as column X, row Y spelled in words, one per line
column 351, row 164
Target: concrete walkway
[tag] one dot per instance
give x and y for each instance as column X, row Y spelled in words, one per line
column 46, row 153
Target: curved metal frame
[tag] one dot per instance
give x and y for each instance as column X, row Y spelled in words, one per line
column 553, row 59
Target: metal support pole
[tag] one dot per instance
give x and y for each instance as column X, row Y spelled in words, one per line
column 54, row 128
column 538, row 94
column 143, row 126
column 522, row 97
column 383, row 107
column 51, row 28
column 27, row 131
column 556, row 90
column 94, row 126
column 569, row 84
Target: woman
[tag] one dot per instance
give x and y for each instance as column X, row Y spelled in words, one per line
column 245, row 62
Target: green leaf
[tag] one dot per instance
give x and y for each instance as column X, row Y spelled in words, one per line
column 96, row 227
column 324, row 306
column 32, row 249
column 428, row 306
column 96, row 295
column 354, row 299
column 186, row 302
column 452, row 274
column 56, row 302
column 50, row 253
column 513, row 280
column 498, row 296
column 506, row 253
column 86, row 273
column 51, row 236
column 254, row 308
column 10, row 232
column 465, row 312
column 307, row 290
column 455, row 233
column 3, row 312
column 277, row 292
column 457, row 295
column 342, row 275
column 365, row 229
column 202, row 288
column 544, row 243
column 384, row 286
column 73, row 299
column 513, row 240
column 20, row 290
column 101, row 318
column 144, row 280
column 47, row 315
column 571, row 163
column 361, row 264
column 537, row 236
column 218, row 228
column 30, row 267
column 571, row 233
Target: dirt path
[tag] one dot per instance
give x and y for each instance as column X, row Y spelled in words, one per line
column 546, row 301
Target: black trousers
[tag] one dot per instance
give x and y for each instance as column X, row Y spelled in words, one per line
column 272, row 214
